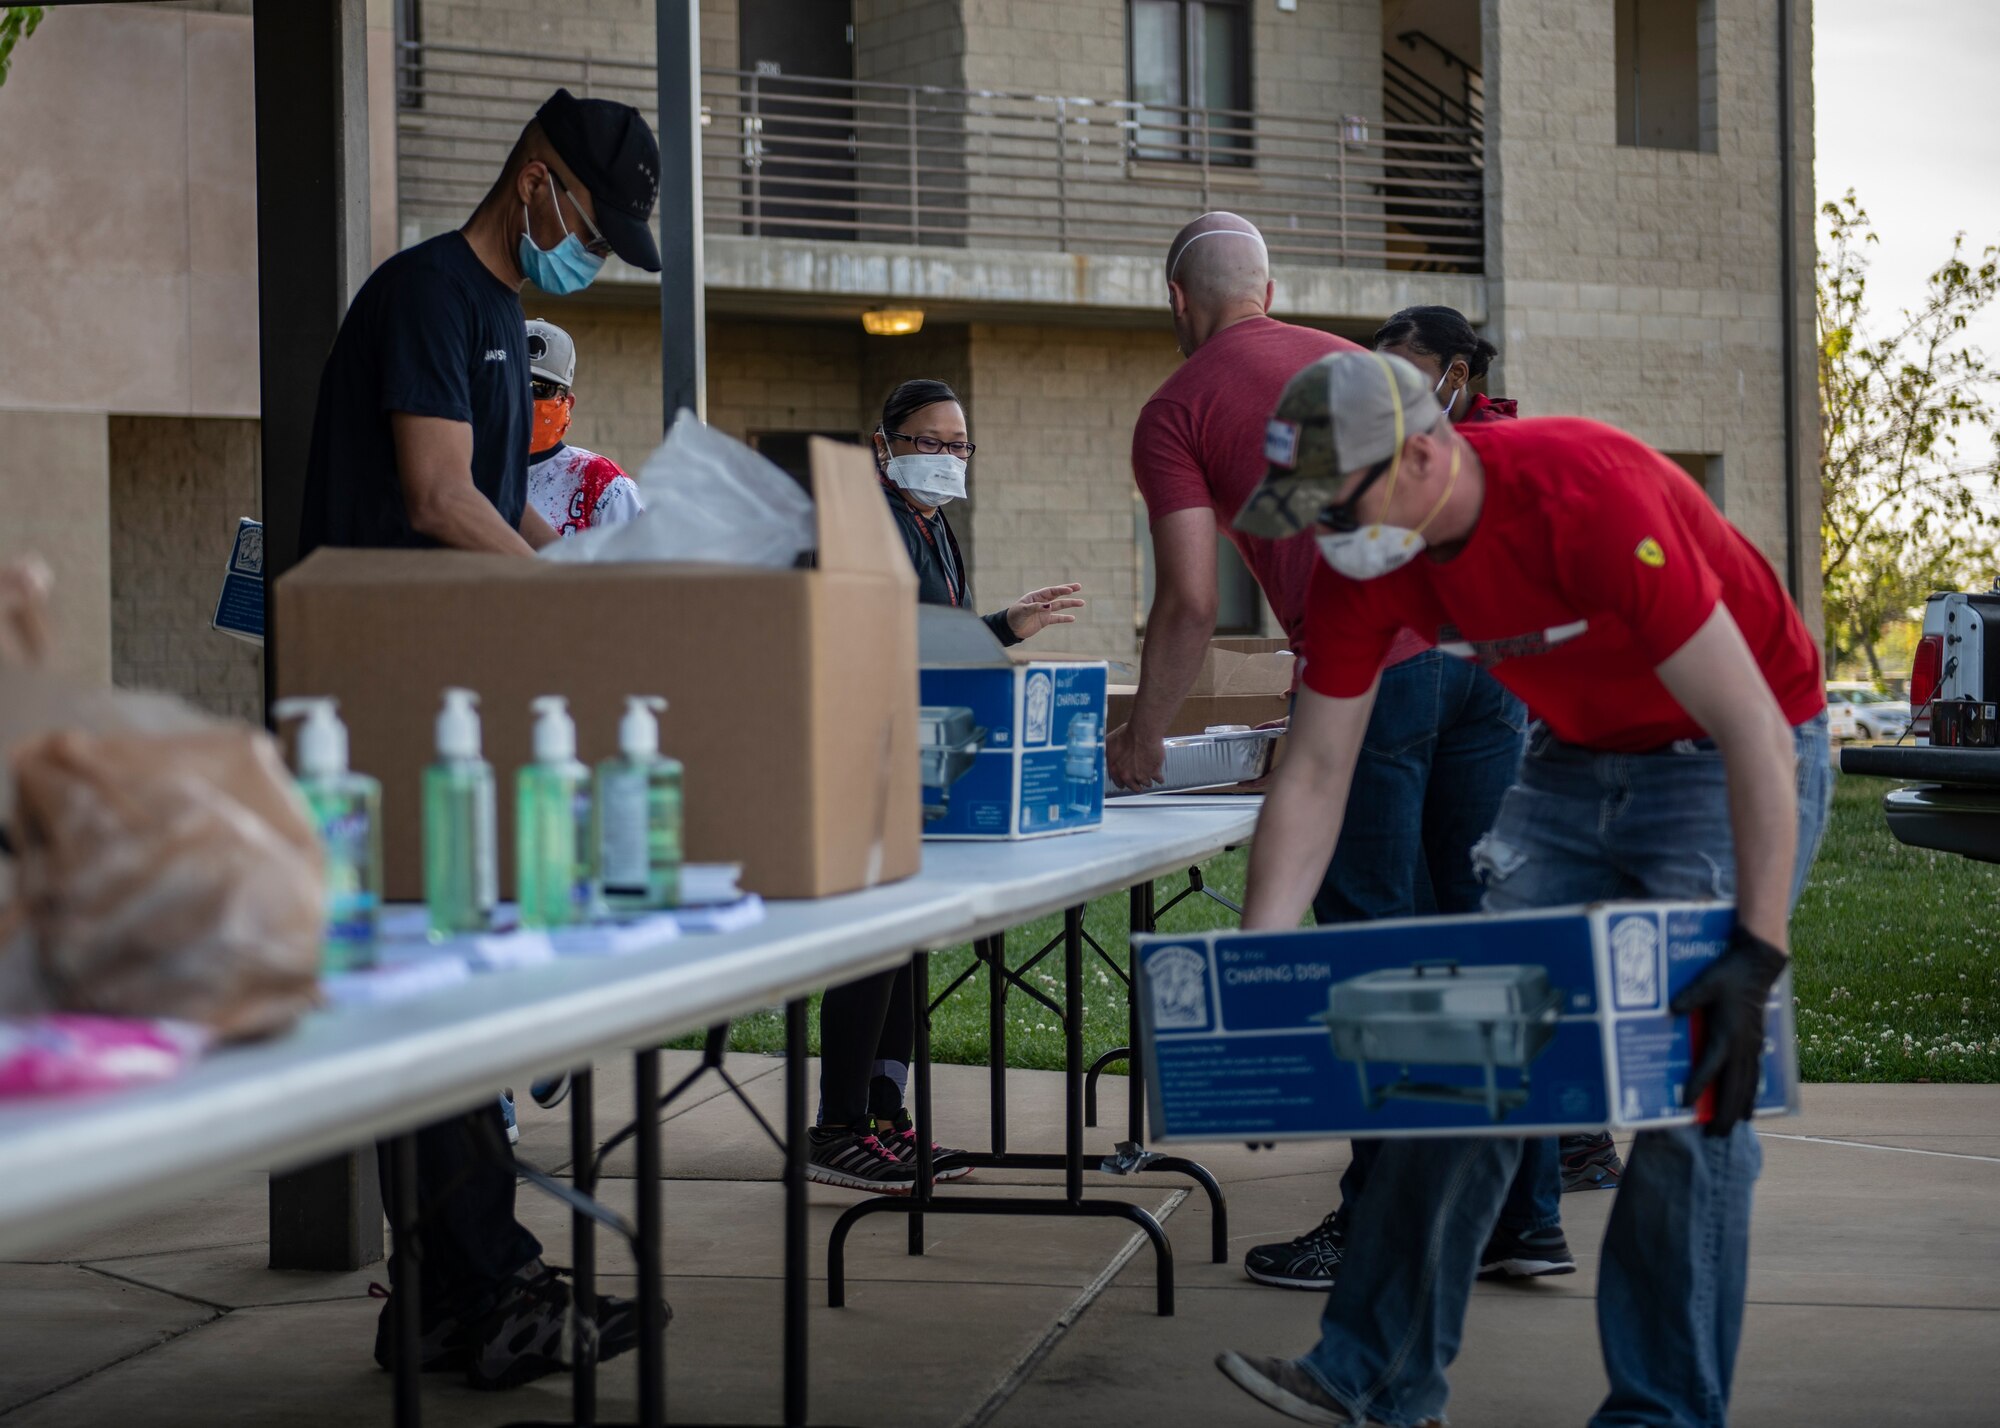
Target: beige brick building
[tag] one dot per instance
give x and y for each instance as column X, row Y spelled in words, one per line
column 1596, row 183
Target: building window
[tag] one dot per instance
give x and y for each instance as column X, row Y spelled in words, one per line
column 409, row 54
column 1665, row 54
column 1239, row 604
column 1705, row 468
column 1190, row 75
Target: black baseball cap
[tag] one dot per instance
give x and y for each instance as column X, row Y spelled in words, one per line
column 611, row 150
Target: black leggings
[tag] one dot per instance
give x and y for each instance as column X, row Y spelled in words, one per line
column 859, row 1024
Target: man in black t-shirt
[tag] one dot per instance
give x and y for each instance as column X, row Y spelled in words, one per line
column 420, row 439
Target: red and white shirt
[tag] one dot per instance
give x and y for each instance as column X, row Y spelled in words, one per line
column 576, row 490
column 1594, row 558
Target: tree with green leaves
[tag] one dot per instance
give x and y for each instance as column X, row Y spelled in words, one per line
column 1906, row 427
column 17, row 22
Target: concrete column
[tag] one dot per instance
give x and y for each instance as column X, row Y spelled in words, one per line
column 683, row 320
column 55, row 489
column 313, row 252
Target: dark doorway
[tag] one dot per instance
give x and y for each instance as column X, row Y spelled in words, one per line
column 799, row 112
column 787, row 450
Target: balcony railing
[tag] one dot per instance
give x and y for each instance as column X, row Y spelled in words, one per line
column 787, row 156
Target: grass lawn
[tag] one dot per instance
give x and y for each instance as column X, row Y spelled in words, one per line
column 1897, row 977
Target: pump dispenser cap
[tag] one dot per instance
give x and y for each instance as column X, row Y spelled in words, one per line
column 639, row 730
column 555, row 731
column 322, row 738
column 458, row 725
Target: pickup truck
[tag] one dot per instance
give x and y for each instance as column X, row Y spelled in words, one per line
column 1952, row 802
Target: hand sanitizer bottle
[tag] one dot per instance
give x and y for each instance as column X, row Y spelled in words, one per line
column 347, row 811
column 639, row 815
column 460, row 882
column 552, row 825
column 1082, row 769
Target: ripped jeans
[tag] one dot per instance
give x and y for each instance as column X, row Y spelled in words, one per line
column 1578, row 826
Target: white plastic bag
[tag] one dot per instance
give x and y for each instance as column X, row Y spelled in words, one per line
column 708, row 498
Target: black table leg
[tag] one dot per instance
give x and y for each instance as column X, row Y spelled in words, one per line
column 995, row 953
column 583, row 1252
column 1073, row 1055
column 920, row 993
column 1135, row 1075
column 795, row 1214
column 647, row 1246
column 405, row 1277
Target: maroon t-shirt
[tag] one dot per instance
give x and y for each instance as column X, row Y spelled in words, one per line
column 1200, row 442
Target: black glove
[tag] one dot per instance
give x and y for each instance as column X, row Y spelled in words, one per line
column 1731, row 992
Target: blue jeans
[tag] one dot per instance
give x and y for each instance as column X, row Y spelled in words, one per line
column 1441, row 749
column 1577, row 827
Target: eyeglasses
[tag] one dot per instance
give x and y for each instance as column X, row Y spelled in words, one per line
column 931, row 446
column 1341, row 517
column 547, row 391
column 599, row 246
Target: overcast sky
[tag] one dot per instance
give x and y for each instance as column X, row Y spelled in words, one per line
column 1900, row 92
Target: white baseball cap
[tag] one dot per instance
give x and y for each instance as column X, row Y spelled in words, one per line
column 551, row 354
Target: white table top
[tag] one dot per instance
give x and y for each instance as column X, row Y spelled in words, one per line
column 348, row 1075
column 1012, row 883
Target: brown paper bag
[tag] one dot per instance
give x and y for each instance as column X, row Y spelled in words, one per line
column 170, row 876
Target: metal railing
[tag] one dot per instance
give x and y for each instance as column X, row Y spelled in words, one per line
column 787, row 156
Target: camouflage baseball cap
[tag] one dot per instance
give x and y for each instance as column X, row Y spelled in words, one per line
column 1344, row 413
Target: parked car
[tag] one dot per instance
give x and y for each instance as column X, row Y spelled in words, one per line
column 1860, row 711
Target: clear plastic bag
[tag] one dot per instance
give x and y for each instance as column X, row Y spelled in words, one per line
column 169, row 875
column 707, row 498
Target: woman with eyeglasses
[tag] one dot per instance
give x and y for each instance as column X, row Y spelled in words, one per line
column 921, row 451
column 865, row 1139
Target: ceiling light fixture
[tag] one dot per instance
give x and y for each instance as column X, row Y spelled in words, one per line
column 892, row 321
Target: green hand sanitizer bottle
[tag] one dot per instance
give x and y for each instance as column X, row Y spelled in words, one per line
column 639, row 815
column 347, row 813
column 460, row 881
column 552, row 825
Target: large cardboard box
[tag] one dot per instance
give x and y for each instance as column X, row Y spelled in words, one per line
column 1012, row 746
column 1522, row 1024
column 793, row 693
column 1241, row 681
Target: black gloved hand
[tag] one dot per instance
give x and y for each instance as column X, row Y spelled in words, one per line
column 1731, row 992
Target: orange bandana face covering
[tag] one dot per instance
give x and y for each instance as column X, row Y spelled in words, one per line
column 551, row 422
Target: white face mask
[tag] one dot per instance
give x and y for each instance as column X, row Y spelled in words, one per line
column 1454, row 396
column 1373, row 551
column 933, row 480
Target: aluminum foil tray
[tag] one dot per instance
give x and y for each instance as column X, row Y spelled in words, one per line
column 1219, row 758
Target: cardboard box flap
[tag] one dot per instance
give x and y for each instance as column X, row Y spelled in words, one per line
column 856, row 532
column 1229, row 671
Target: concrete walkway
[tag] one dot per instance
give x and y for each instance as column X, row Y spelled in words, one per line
column 1875, row 1289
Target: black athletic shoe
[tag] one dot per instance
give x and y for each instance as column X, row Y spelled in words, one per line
column 445, row 1340
column 1531, row 1255
column 1590, row 1162
column 524, row 1336
column 1283, row 1385
column 1309, row 1262
column 901, row 1141
column 855, row 1159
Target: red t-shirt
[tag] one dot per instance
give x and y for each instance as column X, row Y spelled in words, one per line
column 1200, row 442
column 1593, row 560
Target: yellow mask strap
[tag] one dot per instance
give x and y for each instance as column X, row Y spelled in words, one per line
column 1396, row 406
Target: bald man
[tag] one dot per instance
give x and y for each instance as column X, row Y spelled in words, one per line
column 1444, row 738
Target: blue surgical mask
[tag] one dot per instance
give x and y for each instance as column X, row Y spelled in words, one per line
column 567, row 268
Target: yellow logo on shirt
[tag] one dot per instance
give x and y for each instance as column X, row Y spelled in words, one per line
column 1650, row 554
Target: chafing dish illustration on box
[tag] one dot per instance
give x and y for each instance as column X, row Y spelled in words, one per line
column 948, row 741
column 1215, row 758
column 1438, row 1013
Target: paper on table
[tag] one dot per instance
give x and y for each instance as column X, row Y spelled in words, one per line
column 397, row 981
column 616, row 939
column 729, row 917
column 705, row 883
